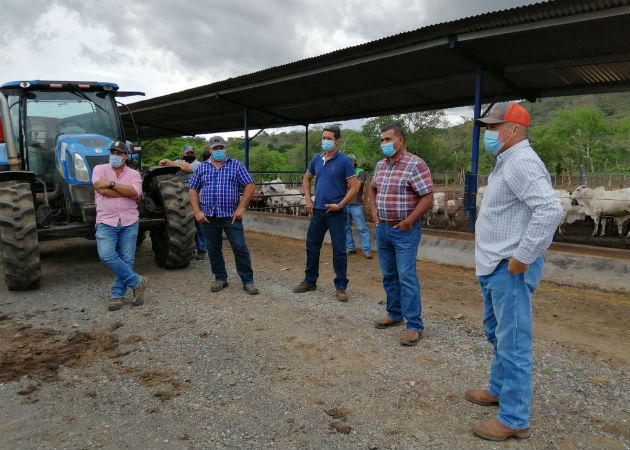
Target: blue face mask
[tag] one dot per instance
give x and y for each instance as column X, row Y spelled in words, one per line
column 491, row 141
column 328, row 145
column 388, row 149
column 218, row 155
column 115, row 160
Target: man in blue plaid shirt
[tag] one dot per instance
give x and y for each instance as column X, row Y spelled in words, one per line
column 218, row 207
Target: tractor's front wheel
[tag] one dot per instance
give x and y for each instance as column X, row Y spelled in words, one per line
column 18, row 234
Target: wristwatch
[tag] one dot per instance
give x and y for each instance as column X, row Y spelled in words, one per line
column 112, row 184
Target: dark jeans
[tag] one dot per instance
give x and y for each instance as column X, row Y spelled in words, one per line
column 335, row 223
column 213, row 234
column 199, row 239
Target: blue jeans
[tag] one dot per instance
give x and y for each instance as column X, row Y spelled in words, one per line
column 117, row 248
column 335, row 223
column 397, row 251
column 200, row 242
column 354, row 213
column 213, row 234
column 507, row 320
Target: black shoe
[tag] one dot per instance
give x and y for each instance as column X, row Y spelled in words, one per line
column 201, row 256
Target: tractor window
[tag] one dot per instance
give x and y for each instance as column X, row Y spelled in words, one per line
column 50, row 114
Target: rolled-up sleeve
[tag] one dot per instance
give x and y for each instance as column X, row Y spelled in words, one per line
column 136, row 182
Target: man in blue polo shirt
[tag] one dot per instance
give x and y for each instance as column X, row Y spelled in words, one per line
column 335, row 186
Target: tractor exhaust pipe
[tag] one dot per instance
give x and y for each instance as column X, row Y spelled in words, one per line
column 9, row 139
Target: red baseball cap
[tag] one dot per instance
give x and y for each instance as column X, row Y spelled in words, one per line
column 505, row 112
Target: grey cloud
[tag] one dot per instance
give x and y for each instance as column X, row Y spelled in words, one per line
column 226, row 38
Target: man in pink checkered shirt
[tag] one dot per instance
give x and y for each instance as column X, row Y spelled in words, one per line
column 117, row 189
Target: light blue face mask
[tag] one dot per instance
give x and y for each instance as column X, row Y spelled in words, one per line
column 328, row 145
column 491, row 141
column 218, row 155
column 115, row 160
column 388, row 149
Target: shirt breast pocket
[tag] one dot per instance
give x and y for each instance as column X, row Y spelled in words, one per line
column 401, row 186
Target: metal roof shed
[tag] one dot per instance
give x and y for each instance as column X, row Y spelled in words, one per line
column 545, row 49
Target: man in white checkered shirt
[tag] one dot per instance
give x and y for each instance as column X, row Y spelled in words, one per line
column 519, row 215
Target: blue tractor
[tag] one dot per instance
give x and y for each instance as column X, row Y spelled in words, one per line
column 52, row 134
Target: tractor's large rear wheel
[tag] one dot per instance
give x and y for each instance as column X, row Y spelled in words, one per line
column 174, row 244
column 18, row 234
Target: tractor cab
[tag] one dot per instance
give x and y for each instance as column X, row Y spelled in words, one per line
column 62, row 130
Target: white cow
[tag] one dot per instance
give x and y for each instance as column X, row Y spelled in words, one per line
column 570, row 212
column 280, row 197
column 439, row 207
column 599, row 201
column 452, row 206
column 621, row 221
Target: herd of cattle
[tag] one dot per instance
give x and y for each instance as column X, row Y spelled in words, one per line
column 599, row 204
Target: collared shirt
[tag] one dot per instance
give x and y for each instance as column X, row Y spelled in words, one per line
column 193, row 165
column 519, row 212
column 331, row 177
column 219, row 188
column 110, row 210
column 399, row 185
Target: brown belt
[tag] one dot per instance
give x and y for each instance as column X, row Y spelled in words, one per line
column 391, row 223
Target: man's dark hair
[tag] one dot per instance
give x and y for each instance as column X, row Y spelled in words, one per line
column 335, row 129
column 205, row 155
column 397, row 129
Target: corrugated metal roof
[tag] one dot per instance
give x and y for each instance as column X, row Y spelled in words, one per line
column 545, row 49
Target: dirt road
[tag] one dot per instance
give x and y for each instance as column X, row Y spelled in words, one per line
column 191, row 369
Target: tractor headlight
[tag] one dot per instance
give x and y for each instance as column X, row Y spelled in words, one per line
column 81, row 172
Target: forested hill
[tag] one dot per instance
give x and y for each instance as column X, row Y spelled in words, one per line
column 616, row 107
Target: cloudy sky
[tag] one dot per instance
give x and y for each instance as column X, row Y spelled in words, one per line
column 165, row 46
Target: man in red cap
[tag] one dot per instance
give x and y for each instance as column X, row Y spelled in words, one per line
column 519, row 215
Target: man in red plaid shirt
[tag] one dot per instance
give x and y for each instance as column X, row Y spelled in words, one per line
column 401, row 192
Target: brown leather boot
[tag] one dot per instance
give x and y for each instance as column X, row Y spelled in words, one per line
column 387, row 322
column 410, row 337
column 304, row 287
column 493, row 430
column 481, row 397
column 115, row 304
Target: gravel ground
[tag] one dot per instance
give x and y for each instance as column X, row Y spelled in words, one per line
column 194, row 369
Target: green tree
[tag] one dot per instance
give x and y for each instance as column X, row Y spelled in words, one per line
column 170, row 148
column 585, row 131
